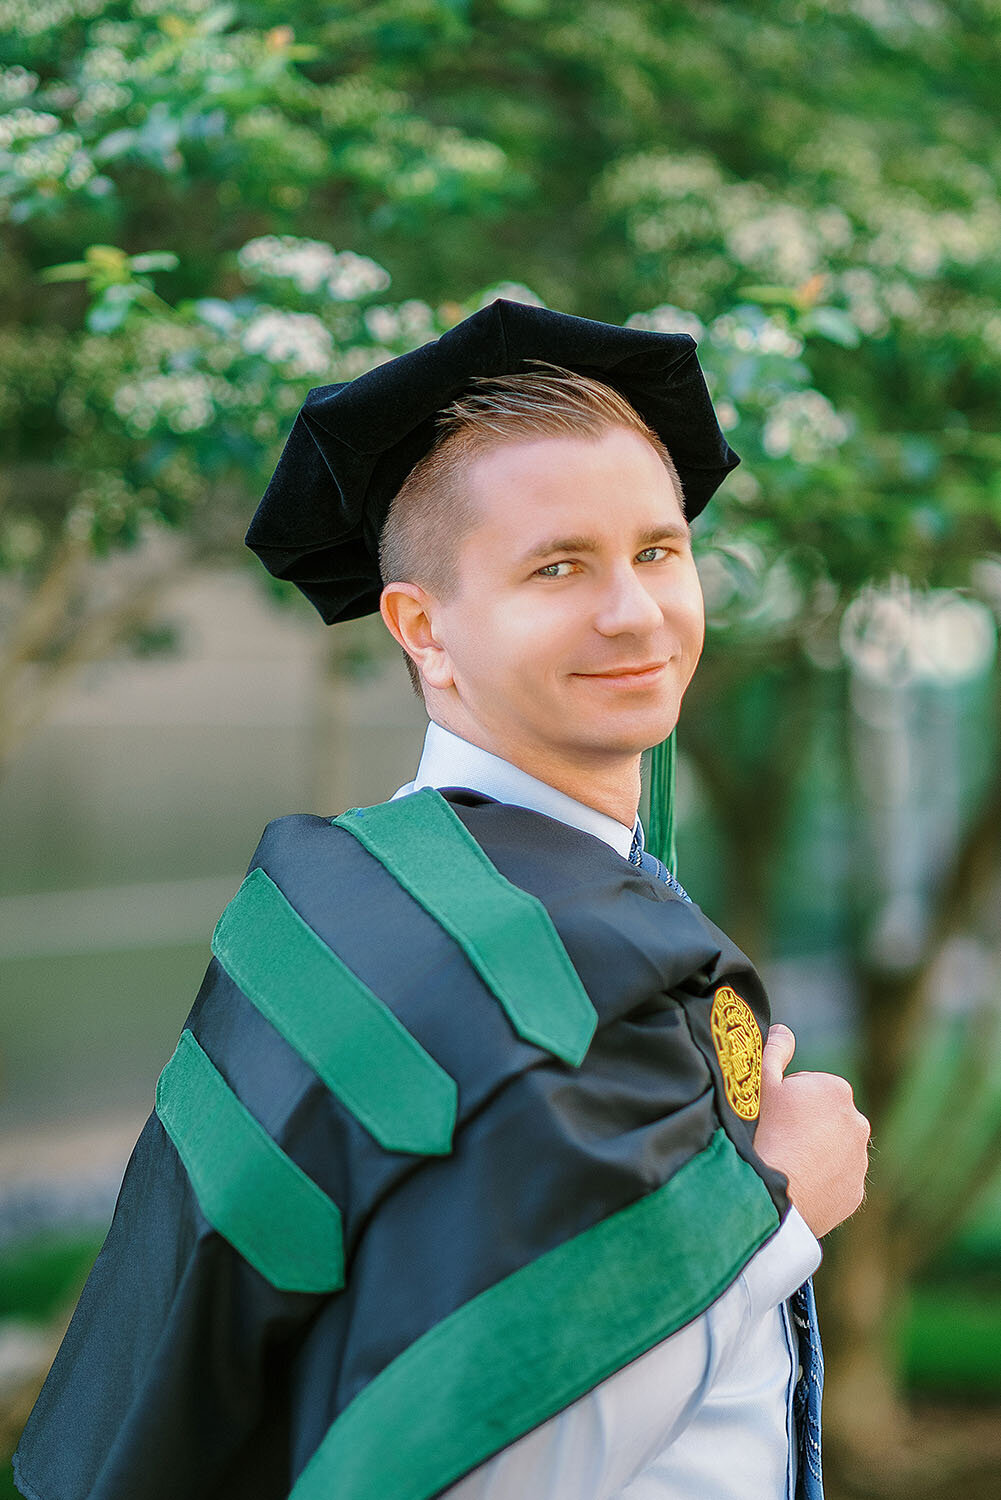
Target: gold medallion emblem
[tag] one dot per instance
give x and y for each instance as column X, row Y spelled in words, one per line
column 737, row 1040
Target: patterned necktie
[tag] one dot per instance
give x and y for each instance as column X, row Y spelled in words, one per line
column 809, row 1387
column 640, row 856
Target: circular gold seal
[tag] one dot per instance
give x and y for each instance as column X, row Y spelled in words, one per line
column 737, row 1040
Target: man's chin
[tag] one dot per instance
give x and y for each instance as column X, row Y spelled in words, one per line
column 628, row 742
column 631, row 728
column 647, row 731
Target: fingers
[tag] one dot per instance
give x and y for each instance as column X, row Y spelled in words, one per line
column 780, row 1044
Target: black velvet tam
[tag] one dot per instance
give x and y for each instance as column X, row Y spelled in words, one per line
column 354, row 443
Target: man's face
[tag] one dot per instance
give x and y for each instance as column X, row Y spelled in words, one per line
column 579, row 572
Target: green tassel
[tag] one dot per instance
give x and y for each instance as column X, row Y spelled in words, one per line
column 661, row 832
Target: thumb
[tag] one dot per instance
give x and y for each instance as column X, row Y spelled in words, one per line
column 780, row 1044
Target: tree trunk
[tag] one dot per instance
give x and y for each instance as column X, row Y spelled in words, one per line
column 48, row 646
column 871, row 1261
column 861, row 1295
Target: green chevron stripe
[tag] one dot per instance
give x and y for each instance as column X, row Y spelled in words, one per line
column 246, row 1186
column 346, row 1033
column 506, row 933
column 525, row 1348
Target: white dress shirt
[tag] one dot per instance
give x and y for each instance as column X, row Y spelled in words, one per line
column 706, row 1414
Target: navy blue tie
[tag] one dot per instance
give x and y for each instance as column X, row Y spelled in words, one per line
column 809, row 1387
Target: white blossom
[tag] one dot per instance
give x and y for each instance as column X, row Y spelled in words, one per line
column 299, row 341
column 805, row 426
column 765, row 336
column 33, row 17
column 358, row 361
column 472, row 157
column 861, row 289
column 512, row 291
column 383, row 324
column 313, row 265
column 16, row 83
column 901, row 298
column 667, row 318
column 834, row 227
column 26, row 125
column 781, row 241
column 356, row 276
column 183, row 402
column 654, row 174
column 106, row 62
column 417, row 320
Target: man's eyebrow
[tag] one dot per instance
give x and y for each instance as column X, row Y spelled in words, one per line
column 670, row 530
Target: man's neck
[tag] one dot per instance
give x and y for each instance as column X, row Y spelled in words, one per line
column 611, row 787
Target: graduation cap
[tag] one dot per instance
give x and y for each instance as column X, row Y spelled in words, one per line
column 353, row 443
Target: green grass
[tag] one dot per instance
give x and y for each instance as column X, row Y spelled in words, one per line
column 951, row 1341
column 38, row 1275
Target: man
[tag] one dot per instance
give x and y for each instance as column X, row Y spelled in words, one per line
column 558, row 637
column 468, row 1175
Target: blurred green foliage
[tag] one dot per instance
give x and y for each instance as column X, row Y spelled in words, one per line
column 778, row 177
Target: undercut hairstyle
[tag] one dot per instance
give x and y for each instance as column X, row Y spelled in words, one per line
column 433, row 511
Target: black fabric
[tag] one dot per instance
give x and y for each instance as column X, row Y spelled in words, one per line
column 183, row 1372
column 353, row 443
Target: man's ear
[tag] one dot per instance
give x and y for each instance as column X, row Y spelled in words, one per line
column 409, row 613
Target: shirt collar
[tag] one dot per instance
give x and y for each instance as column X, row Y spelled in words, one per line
column 448, row 760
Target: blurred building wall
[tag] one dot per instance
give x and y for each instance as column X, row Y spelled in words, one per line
column 129, row 821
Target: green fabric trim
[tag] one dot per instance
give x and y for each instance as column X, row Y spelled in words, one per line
column 247, row 1188
column 506, row 933
column 663, row 776
column 524, row 1349
column 350, row 1038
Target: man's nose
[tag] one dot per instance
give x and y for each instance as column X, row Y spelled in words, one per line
column 627, row 605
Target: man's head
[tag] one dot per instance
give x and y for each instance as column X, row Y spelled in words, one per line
column 510, row 638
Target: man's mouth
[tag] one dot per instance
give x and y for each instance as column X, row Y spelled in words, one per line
column 637, row 675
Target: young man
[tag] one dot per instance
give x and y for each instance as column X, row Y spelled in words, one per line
column 555, row 635
column 468, row 1175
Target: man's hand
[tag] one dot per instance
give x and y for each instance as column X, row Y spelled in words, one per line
column 809, row 1128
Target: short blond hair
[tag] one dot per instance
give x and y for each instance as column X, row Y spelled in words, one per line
column 433, row 510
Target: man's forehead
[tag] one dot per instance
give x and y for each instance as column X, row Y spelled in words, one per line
column 571, row 492
column 556, row 464
column 565, row 449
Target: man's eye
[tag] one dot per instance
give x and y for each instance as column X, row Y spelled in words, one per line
column 551, row 570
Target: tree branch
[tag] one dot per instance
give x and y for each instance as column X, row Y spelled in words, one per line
column 43, row 611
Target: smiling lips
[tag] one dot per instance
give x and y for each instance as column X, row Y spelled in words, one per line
column 630, row 676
